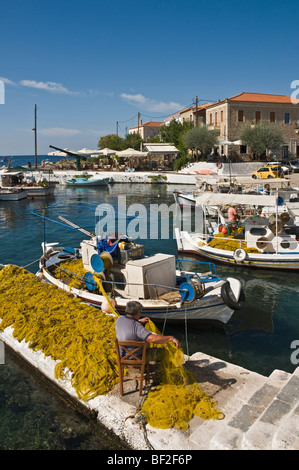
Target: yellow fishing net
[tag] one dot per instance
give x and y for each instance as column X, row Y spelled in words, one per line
column 81, row 339
column 71, row 271
column 230, row 242
column 178, row 397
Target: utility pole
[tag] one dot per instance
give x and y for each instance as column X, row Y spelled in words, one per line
column 196, row 121
column 116, row 127
column 138, row 121
column 196, row 108
column 35, row 138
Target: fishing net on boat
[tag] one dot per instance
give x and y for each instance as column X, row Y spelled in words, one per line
column 80, row 338
column 72, row 272
column 223, row 241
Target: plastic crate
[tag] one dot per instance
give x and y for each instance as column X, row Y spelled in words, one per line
column 135, row 252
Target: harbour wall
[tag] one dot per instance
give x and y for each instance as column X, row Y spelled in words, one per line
column 260, row 413
column 186, row 176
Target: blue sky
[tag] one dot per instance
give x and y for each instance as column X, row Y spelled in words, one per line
column 87, row 65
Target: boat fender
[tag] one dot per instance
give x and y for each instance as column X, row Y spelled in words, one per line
column 229, row 298
column 239, row 255
column 219, row 165
column 262, row 243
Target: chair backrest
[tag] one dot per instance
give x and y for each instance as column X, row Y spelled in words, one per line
column 131, row 352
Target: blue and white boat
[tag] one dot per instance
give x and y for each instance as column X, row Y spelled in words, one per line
column 86, row 182
column 160, row 283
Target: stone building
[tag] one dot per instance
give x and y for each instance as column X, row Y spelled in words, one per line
column 146, row 130
column 229, row 115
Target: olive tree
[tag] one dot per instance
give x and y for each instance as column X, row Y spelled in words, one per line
column 262, row 137
column 201, row 138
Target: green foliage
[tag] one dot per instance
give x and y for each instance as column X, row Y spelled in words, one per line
column 173, row 133
column 262, row 137
column 200, row 138
column 133, row 141
column 115, row 142
column 112, row 141
column 181, row 162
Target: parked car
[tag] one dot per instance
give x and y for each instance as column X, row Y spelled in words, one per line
column 286, row 168
column 272, row 170
column 292, row 164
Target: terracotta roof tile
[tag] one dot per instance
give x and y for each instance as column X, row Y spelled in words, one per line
column 261, row 98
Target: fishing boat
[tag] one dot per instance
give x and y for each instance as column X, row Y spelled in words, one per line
column 16, row 180
column 219, row 185
column 159, row 282
column 85, row 182
column 265, row 236
column 12, row 194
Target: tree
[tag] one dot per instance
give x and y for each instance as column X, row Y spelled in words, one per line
column 112, row 141
column 200, row 138
column 174, row 131
column 133, row 141
column 261, row 138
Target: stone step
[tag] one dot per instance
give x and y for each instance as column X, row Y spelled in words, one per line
column 232, row 435
column 286, row 437
column 235, row 386
column 275, row 420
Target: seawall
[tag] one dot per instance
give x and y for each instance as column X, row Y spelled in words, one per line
column 261, row 413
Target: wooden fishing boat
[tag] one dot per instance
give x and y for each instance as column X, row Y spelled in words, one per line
column 80, row 182
column 12, row 194
column 158, row 282
column 266, row 235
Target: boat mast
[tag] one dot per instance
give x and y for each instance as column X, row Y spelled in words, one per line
column 35, row 138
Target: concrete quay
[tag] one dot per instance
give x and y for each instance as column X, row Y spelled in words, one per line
column 261, row 413
column 186, row 176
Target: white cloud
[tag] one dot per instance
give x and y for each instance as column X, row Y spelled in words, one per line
column 151, row 105
column 59, row 131
column 52, row 87
column 7, row 81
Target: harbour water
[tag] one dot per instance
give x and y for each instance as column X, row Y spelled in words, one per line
column 258, row 337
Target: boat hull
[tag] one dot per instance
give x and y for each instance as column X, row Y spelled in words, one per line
column 37, row 191
column 211, row 307
column 189, row 244
column 79, row 183
column 13, row 196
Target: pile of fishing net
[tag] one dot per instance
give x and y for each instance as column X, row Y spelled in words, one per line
column 80, row 338
column 223, row 241
column 178, row 397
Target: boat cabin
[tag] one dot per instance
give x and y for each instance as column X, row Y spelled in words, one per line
column 11, row 178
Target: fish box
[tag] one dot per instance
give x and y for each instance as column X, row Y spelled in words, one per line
column 147, row 278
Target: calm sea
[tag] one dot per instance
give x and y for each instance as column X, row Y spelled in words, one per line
column 258, row 337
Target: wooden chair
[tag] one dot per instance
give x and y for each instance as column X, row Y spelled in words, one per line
column 129, row 359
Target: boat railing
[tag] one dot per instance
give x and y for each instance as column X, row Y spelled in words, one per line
column 260, row 242
column 208, row 276
column 210, row 267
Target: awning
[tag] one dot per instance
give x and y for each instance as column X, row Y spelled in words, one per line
column 221, row 199
column 131, row 153
column 161, row 149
